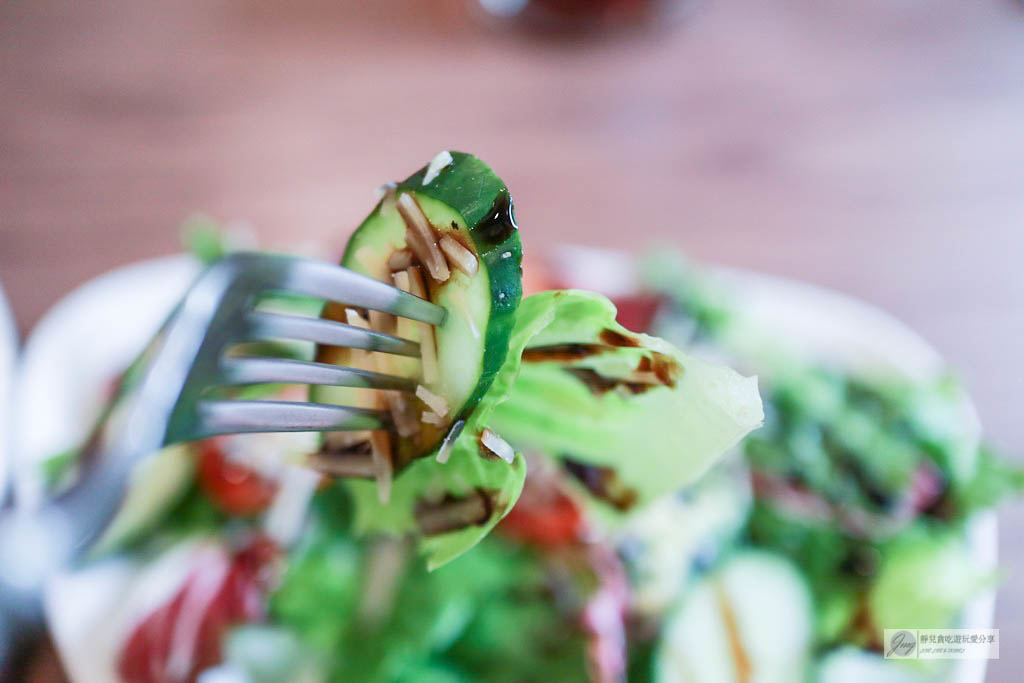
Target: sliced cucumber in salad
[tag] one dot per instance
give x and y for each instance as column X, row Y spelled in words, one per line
column 447, row 233
column 751, row 620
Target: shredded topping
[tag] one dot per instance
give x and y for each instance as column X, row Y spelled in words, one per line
column 401, row 279
column 433, row 401
column 431, row 417
column 354, row 466
column 353, row 317
column 448, row 444
column 385, row 190
column 452, row 514
column 400, row 260
column 459, row 256
column 497, row 445
column 402, row 414
column 381, row 322
column 421, row 238
column 428, row 345
column 380, row 451
column 439, row 162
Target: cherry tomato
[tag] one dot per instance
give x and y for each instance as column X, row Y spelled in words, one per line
column 547, row 520
column 235, row 488
column 636, row 312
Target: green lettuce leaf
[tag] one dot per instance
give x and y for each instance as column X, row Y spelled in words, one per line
column 621, row 403
column 466, row 471
column 927, row 576
column 655, row 441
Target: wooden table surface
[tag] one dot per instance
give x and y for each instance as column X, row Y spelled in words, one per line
column 876, row 147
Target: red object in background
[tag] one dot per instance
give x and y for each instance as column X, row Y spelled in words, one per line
column 546, row 518
column 235, row 488
column 178, row 640
column 637, row 312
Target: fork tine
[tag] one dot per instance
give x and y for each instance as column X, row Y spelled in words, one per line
column 239, row 417
column 328, row 281
column 281, row 326
column 287, row 371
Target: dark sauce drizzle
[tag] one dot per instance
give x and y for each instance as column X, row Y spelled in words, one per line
column 499, row 223
column 603, row 483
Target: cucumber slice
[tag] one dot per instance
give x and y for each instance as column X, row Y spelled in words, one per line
column 470, row 227
column 749, row 621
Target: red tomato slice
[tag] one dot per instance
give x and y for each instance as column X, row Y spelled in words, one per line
column 181, row 638
column 235, row 488
column 637, row 312
column 544, row 516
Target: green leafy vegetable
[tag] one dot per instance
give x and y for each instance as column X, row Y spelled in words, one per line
column 654, row 440
column 600, row 395
column 926, row 578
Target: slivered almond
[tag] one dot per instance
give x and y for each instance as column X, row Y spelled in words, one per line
column 355, row 319
column 417, row 246
column 382, row 322
column 416, row 286
column 497, row 445
column 452, row 515
column 400, row 260
column 340, row 441
column 423, row 238
column 436, row 165
column 355, row 466
column 460, row 257
column 385, row 190
column 401, row 411
column 428, row 346
column 431, row 418
column 402, row 414
column 459, row 299
column 380, row 442
column 433, row 401
column 401, row 279
column 445, row 451
column 380, row 451
column 352, row 317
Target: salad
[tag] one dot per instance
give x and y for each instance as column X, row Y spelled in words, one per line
column 864, row 484
column 494, row 532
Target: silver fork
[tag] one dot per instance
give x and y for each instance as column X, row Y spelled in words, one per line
column 187, row 359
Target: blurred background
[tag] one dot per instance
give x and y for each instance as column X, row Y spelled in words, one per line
column 874, row 147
